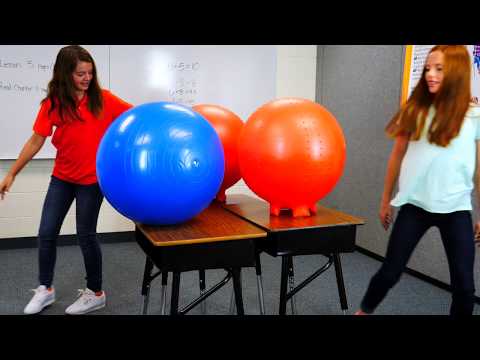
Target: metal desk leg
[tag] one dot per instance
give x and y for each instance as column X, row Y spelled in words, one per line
column 146, row 285
column 232, row 302
column 291, row 282
column 237, row 286
column 201, row 277
column 283, row 286
column 175, row 293
column 258, row 271
column 163, row 294
column 232, row 297
column 340, row 283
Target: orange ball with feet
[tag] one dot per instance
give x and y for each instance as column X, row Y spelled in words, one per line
column 228, row 127
column 292, row 153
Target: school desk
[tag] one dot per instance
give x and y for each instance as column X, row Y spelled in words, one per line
column 214, row 239
column 329, row 232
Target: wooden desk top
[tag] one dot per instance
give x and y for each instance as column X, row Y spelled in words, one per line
column 258, row 212
column 212, row 224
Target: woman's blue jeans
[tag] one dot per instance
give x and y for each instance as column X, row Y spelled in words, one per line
column 456, row 230
column 58, row 200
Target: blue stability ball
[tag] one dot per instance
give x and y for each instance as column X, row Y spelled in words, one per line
column 160, row 163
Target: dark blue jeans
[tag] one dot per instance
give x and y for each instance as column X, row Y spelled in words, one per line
column 456, row 230
column 58, row 200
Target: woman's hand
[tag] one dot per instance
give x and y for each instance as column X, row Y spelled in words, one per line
column 386, row 214
column 5, row 185
column 477, row 232
column 391, row 176
column 31, row 147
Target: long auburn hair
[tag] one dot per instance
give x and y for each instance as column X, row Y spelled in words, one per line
column 61, row 89
column 451, row 102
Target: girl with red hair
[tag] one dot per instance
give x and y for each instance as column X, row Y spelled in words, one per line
column 435, row 159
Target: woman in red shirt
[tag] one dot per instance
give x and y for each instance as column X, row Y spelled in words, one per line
column 78, row 112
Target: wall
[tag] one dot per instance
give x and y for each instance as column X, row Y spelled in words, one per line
column 21, row 209
column 361, row 86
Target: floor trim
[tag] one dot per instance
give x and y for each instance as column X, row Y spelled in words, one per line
column 412, row 272
column 65, row 240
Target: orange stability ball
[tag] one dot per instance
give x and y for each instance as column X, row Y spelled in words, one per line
column 228, row 127
column 292, row 153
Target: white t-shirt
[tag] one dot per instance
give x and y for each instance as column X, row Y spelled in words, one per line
column 440, row 179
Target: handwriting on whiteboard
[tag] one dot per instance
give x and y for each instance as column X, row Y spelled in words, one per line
column 186, row 87
column 26, row 64
column 8, row 81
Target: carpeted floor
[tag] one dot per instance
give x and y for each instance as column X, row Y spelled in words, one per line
column 123, row 271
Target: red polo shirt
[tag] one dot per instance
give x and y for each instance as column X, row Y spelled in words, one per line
column 77, row 141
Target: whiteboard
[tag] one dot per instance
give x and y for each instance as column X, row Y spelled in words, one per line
column 238, row 77
column 25, row 71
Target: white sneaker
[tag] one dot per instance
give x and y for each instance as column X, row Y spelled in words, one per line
column 42, row 298
column 86, row 302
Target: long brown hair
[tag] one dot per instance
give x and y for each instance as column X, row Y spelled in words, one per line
column 451, row 102
column 61, row 90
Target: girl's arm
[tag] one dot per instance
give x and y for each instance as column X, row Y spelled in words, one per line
column 477, row 190
column 393, row 170
column 31, row 147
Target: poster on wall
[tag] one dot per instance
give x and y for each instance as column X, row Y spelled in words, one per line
column 415, row 57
